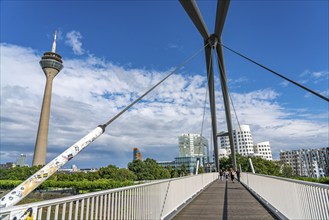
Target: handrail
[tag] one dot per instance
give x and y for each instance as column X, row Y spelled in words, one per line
column 295, row 181
column 294, row 199
column 157, row 199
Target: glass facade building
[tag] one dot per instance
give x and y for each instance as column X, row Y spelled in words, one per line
column 189, row 163
column 307, row 162
column 194, row 145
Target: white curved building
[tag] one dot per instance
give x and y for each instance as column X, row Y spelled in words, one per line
column 242, row 139
column 264, row 150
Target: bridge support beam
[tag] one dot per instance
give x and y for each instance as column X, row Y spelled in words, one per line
column 210, row 75
column 214, row 42
column 226, row 98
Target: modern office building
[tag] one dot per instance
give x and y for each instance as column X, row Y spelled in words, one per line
column 307, row 162
column 242, row 140
column 263, row 149
column 194, row 145
column 222, row 153
column 189, row 163
column 192, row 148
column 137, row 154
column 51, row 64
column 244, row 145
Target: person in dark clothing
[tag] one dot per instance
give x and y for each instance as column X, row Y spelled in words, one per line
column 238, row 175
column 221, row 175
column 232, row 173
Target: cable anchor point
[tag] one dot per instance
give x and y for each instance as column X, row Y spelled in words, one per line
column 213, row 41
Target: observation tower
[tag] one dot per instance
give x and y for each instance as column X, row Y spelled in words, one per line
column 51, row 64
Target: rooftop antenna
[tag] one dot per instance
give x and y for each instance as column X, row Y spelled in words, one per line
column 53, row 49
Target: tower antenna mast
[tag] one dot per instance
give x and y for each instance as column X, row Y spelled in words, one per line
column 53, row 49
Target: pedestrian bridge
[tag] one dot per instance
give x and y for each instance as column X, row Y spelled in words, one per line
column 194, row 197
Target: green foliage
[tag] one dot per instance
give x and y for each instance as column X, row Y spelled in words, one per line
column 138, row 167
column 115, row 173
column 148, row 170
column 109, row 172
column 100, row 184
column 261, row 165
column 200, row 170
column 106, row 178
column 18, row 173
column 267, row 167
column 9, row 184
column 225, row 163
column 322, row 180
column 286, row 170
column 183, row 171
column 165, row 174
column 174, row 173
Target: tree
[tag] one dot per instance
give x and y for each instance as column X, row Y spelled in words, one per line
column 225, row 163
column 123, row 174
column 261, row 165
column 286, row 171
column 108, row 172
column 153, row 168
column 164, row 173
column 183, row 171
column 200, row 170
column 138, row 167
column 148, row 170
column 174, row 173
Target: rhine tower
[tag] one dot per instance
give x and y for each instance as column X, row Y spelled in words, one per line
column 51, row 64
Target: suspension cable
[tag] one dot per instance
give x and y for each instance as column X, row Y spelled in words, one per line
column 231, row 100
column 204, row 109
column 278, row 74
column 147, row 92
column 236, row 116
column 205, row 98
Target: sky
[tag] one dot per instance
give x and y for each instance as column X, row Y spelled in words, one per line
column 114, row 51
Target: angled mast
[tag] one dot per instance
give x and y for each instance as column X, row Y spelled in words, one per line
column 214, row 42
column 222, row 9
column 192, row 10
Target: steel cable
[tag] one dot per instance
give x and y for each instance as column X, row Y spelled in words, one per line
column 278, row 74
column 147, row 92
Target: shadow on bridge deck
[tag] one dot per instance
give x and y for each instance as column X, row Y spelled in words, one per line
column 224, row 200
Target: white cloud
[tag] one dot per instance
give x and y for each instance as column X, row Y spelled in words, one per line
column 175, row 46
column 284, row 83
column 73, row 39
column 320, row 74
column 315, row 77
column 171, row 45
column 89, row 91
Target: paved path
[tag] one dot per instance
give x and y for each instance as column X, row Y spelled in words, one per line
column 224, row 200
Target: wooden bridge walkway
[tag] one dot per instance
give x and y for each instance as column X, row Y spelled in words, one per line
column 224, row 200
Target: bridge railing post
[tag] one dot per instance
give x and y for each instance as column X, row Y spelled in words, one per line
column 294, row 199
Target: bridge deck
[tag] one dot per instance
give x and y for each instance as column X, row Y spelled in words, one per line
column 224, row 200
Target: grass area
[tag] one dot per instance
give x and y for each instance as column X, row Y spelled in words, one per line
column 322, row 180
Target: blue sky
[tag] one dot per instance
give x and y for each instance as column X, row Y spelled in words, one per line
column 114, row 51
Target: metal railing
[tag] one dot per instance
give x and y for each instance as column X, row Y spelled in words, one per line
column 292, row 198
column 154, row 200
